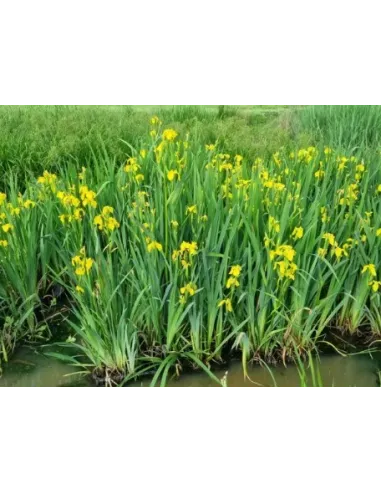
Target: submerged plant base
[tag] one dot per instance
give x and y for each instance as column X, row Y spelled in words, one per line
column 184, row 368
column 341, row 339
column 335, row 341
column 107, row 377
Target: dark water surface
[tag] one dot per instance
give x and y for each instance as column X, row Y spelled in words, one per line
column 28, row 369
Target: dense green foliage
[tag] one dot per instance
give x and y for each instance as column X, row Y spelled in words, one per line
column 347, row 127
column 34, row 138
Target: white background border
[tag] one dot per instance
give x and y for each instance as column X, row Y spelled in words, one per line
column 189, row 52
column 183, row 52
column 189, row 439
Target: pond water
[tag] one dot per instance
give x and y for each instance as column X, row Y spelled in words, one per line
column 29, row 368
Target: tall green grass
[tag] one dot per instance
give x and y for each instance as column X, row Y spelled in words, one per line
column 349, row 127
column 34, row 138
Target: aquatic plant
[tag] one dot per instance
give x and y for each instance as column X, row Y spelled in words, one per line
column 183, row 252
